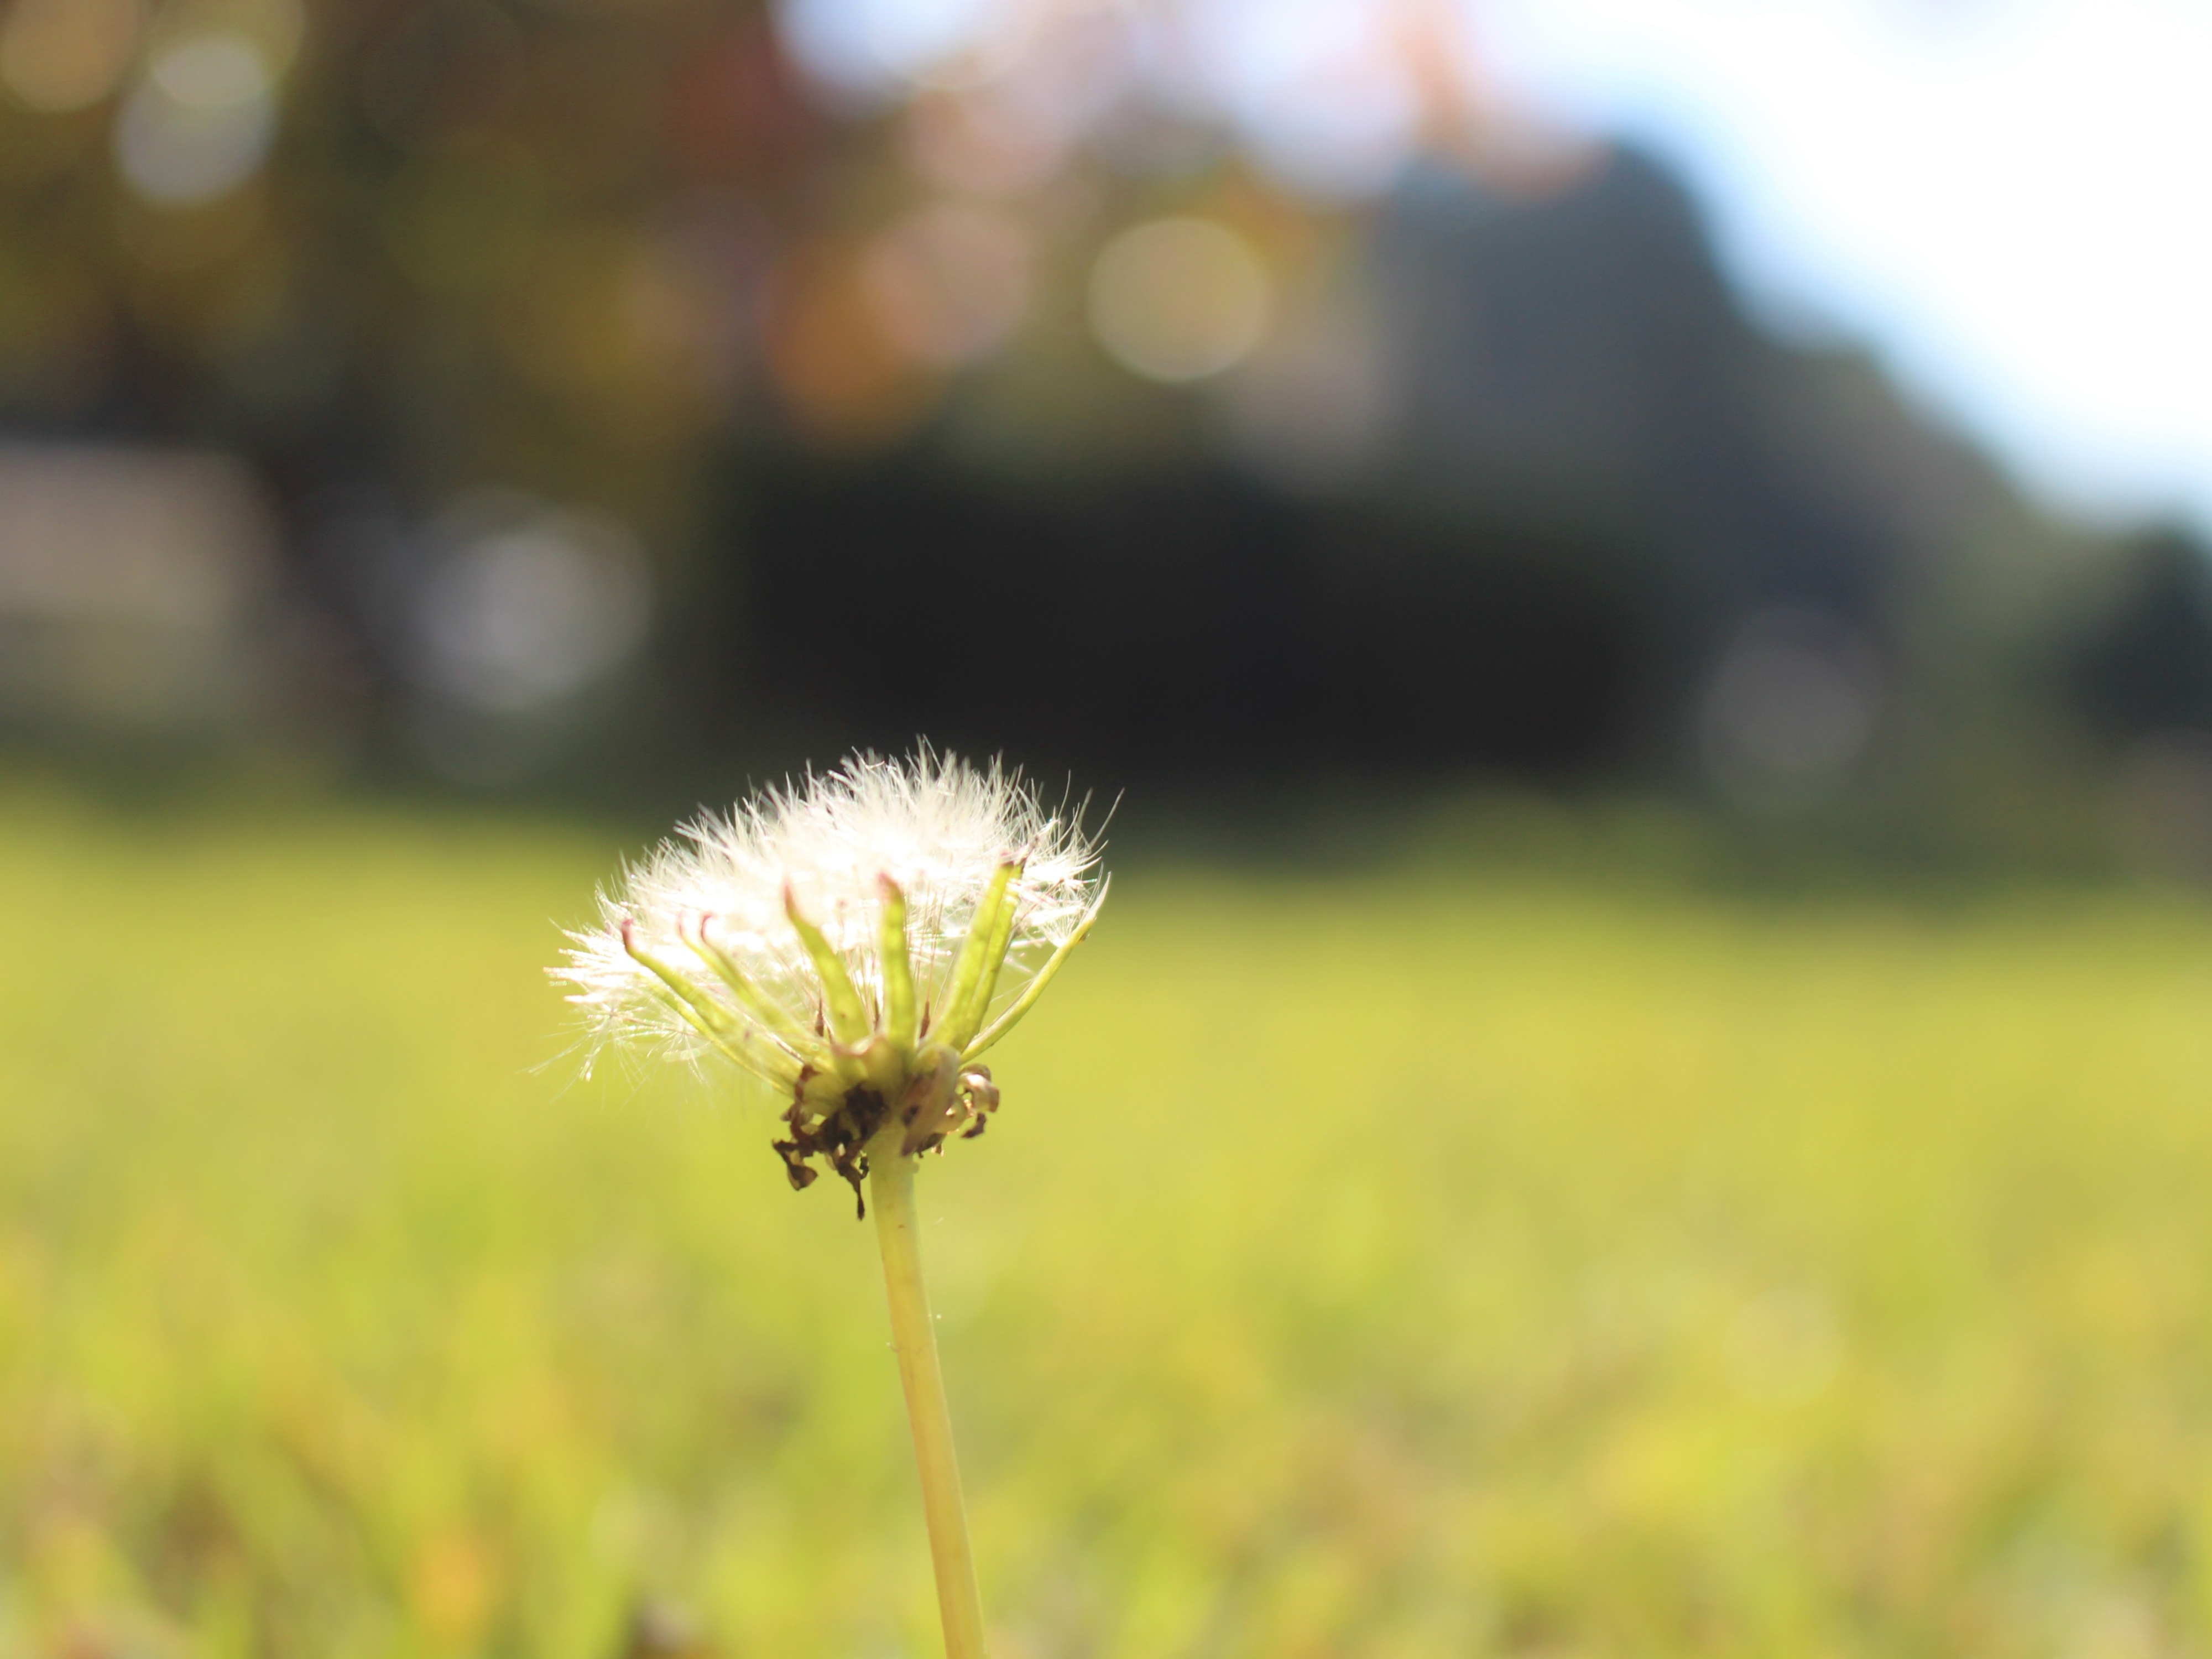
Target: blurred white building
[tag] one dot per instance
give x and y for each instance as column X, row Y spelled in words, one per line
column 136, row 590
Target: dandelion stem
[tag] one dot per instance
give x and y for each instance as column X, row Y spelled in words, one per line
column 891, row 1185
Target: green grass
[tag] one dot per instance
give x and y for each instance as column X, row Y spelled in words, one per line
column 1375, row 1268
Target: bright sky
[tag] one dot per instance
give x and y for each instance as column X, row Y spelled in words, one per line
column 2010, row 200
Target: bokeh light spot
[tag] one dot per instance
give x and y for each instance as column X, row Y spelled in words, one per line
column 58, row 55
column 1791, row 708
column 839, row 375
column 213, row 71
column 530, row 605
column 975, row 144
column 1320, row 93
column 951, row 281
column 1179, row 299
column 875, row 48
column 274, row 29
column 199, row 124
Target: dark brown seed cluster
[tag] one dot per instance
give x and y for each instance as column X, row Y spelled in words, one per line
column 841, row 1137
column 933, row 1108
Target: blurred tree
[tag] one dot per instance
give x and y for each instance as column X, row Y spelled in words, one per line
column 439, row 242
column 2146, row 667
column 1358, row 422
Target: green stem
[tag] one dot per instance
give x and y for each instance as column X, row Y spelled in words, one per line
column 890, row 1187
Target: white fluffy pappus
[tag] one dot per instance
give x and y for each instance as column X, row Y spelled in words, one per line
column 872, row 928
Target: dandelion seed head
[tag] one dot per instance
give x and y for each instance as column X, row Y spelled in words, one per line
column 701, row 951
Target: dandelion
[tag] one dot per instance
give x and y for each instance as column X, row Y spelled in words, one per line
column 856, row 944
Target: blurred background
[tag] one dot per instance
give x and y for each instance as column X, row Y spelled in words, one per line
column 1790, row 409
column 1638, row 570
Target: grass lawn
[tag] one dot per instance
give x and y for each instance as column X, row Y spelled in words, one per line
column 1382, row 1268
